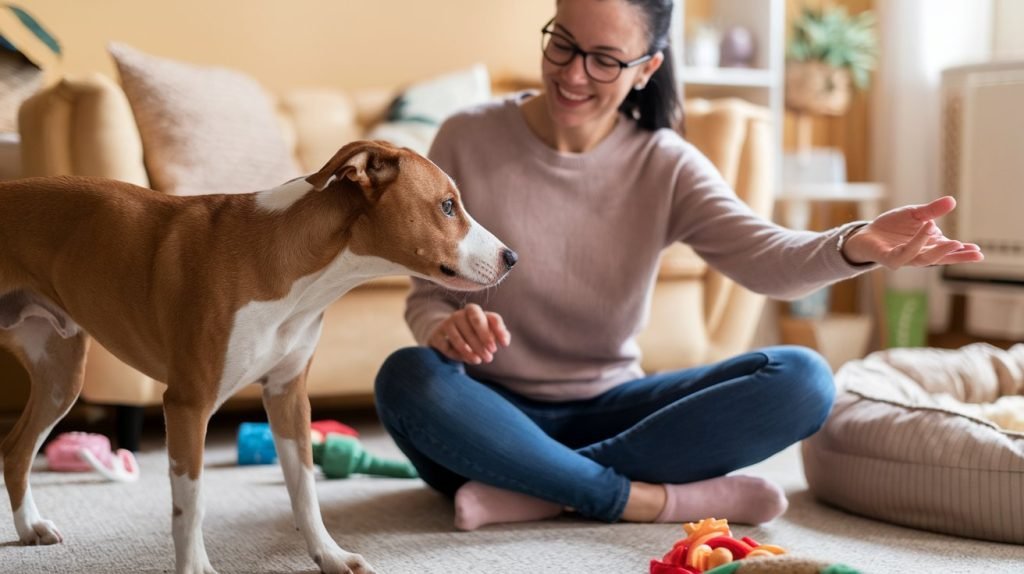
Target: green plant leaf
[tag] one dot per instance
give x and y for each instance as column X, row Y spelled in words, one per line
column 831, row 35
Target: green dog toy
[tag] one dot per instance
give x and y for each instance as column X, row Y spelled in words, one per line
column 340, row 456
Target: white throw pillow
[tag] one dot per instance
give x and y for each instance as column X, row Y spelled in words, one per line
column 417, row 113
column 204, row 129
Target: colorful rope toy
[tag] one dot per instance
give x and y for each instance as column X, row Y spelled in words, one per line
column 709, row 544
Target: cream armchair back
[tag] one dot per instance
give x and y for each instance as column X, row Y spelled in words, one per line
column 84, row 126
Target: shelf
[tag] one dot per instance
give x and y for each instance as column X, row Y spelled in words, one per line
column 838, row 337
column 847, row 191
column 732, row 77
column 762, row 83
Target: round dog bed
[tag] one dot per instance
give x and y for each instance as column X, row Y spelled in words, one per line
column 927, row 438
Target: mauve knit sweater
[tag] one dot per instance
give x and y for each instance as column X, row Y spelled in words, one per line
column 588, row 229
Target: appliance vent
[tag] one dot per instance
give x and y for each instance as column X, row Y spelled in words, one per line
column 982, row 165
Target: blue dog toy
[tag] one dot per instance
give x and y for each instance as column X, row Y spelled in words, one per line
column 256, row 444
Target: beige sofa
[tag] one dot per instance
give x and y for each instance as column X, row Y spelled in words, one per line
column 84, row 126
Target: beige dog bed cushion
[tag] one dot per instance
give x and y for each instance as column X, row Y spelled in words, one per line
column 927, row 438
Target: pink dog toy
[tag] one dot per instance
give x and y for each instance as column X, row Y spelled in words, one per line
column 82, row 452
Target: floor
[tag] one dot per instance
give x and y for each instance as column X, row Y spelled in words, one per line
column 403, row 527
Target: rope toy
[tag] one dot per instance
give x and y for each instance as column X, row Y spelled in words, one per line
column 83, row 452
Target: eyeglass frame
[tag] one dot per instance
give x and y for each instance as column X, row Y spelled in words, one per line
column 577, row 51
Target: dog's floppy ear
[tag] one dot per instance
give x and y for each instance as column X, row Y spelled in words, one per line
column 371, row 164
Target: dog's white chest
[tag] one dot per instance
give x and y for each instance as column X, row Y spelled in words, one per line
column 268, row 343
column 272, row 341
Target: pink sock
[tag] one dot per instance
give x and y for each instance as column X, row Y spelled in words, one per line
column 738, row 499
column 477, row 504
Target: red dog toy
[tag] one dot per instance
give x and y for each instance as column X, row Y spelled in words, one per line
column 709, row 544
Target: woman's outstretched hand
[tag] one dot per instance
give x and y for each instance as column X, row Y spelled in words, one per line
column 470, row 335
column 908, row 237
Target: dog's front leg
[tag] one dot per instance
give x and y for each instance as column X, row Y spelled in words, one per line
column 288, row 410
column 187, row 419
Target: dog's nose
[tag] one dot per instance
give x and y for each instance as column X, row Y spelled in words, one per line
column 510, row 258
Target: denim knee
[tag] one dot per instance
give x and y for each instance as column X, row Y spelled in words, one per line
column 399, row 376
column 809, row 383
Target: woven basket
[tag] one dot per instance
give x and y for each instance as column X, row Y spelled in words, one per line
column 817, row 88
column 19, row 79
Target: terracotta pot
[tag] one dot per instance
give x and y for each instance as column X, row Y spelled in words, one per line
column 817, row 88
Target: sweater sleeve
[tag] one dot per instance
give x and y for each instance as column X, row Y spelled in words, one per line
column 428, row 304
column 756, row 253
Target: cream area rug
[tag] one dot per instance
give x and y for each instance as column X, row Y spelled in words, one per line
column 401, row 526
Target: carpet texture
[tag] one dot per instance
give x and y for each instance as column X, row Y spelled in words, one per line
column 401, row 526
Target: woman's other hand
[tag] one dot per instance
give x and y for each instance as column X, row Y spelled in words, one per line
column 908, row 237
column 470, row 335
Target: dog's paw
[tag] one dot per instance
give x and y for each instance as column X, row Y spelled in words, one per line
column 341, row 562
column 42, row 532
column 196, row 569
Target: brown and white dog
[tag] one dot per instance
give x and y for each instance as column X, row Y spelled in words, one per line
column 211, row 293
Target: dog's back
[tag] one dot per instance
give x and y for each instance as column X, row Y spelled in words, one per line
column 46, row 218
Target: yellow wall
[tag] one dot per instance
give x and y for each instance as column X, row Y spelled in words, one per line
column 293, row 43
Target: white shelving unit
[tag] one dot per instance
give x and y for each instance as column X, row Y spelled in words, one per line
column 763, row 82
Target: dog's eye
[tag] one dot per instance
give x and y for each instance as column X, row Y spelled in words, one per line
column 448, row 207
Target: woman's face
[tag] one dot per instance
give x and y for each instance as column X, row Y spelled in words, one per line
column 602, row 28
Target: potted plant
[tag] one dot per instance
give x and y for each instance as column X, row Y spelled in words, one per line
column 830, row 54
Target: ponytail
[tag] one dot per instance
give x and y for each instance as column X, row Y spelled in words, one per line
column 657, row 104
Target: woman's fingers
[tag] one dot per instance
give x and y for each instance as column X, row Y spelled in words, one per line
column 934, row 209
column 497, row 325
column 470, row 335
column 933, row 255
column 462, row 348
column 477, row 351
column 962, row 256
column 903, row 254
column 481, row 328
column 440, row 340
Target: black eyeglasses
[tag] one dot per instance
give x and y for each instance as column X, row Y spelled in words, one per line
column 560, row 50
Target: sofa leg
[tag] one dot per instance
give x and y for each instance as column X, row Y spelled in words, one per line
column 128, row 431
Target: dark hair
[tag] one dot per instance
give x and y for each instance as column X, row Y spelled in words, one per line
column 657, row 104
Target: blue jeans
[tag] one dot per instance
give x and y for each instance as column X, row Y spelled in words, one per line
column 675, row 427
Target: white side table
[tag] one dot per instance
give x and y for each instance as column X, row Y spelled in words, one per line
column 796, row 199
column 10, row 156
column 845, row 336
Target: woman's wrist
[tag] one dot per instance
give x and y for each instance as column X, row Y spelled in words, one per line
column 843, row 244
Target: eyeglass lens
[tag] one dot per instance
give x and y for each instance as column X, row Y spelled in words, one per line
column 560, row 51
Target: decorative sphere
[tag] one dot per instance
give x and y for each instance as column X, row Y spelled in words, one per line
column 737, row 48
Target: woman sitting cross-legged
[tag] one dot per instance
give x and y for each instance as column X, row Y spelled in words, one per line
column 527, row 399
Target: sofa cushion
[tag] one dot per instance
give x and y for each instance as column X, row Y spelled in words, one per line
column 416, row 114
column 205, row 130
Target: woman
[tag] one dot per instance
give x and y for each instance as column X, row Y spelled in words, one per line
column 528, row 399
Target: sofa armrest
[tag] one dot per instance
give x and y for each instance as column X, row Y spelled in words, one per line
column 81, row 126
